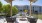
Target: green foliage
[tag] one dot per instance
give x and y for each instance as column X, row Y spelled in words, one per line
column 20, row 14
column 14, row 10
column 0, row 4
column 1, row 7
column 6, row 9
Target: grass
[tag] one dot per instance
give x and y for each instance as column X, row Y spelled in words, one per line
column 39, row 16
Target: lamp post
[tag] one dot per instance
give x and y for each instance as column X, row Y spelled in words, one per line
column 10, row 1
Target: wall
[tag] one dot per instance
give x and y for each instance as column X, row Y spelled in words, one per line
column 34, row 7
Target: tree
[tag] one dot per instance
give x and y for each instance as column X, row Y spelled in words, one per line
column 31, row 1
column 6, row 9
column 14, row 10
column 0, row 4
column 1, row 7
column 25, row 11
column 10, row 1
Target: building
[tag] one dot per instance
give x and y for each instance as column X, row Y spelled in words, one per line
column 35, row 8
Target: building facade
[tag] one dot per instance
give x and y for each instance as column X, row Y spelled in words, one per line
column 35, row 8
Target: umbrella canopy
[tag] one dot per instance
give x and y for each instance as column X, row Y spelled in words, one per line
column 8, row 1
column 33, row 1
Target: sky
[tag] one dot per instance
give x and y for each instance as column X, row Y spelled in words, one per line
column 23, row 2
